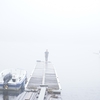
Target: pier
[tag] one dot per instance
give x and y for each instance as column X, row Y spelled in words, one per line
column 43, row 83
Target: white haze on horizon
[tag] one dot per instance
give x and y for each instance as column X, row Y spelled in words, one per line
column 51, row 21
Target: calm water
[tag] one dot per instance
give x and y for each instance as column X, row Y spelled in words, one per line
column 77, row 66
column 10, row 95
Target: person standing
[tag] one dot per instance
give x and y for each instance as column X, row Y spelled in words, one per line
column 46, row 55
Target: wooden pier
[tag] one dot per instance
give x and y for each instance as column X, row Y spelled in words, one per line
column 43, row 83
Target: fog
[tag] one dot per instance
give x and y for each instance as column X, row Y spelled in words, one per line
column 70, row 30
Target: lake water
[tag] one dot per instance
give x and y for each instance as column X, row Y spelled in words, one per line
column 77, row 66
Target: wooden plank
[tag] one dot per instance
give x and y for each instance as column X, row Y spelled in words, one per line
column 42, row 93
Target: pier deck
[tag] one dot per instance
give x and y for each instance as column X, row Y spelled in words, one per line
column 43, row 84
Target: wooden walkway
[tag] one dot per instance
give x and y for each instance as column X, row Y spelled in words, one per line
column 43, row 83
column 44, row 74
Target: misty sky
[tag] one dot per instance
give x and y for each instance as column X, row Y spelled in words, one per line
column 52, row 21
